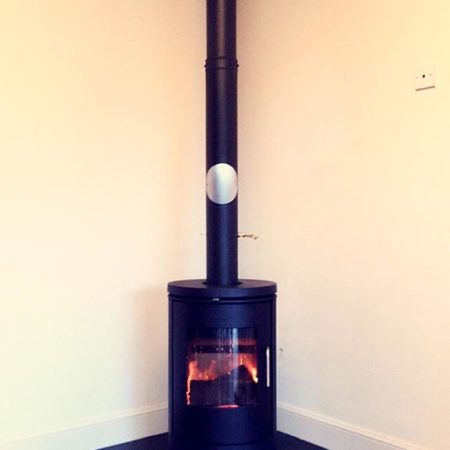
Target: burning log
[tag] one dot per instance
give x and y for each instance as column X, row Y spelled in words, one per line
column 234, row 388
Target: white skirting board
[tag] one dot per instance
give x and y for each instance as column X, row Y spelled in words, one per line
column 97, row 432
column 333, row 434
column 136, row 424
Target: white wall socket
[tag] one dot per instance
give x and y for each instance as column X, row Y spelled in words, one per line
column 425, row 79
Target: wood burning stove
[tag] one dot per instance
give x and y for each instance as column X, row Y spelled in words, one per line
column 222, row 329
column 222, row 365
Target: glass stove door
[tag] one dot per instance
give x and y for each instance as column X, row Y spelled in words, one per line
column 222, row 367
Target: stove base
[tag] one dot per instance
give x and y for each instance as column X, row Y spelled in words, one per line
column 262, row 445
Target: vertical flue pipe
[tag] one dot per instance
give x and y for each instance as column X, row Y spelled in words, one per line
column 221, row 143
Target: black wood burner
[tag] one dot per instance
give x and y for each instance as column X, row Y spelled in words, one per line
column 222, row 329
column 222, row 366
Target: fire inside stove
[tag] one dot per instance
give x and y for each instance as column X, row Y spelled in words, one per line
column 222, row 367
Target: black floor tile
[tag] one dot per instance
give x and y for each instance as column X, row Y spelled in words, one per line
column 284, row 442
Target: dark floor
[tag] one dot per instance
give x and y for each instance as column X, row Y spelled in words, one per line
column 284, row 442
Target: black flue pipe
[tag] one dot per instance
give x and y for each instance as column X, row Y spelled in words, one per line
column 221, row 138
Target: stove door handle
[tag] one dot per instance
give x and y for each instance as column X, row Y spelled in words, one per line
column 268, row 367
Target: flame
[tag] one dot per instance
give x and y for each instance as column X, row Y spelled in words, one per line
column 192, row 367
column 254, row 374
column 244, row 361
column 213, row 371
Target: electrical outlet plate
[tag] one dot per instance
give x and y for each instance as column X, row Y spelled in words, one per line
column 425, row 79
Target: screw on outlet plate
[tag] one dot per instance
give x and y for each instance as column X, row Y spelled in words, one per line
column 425, row 79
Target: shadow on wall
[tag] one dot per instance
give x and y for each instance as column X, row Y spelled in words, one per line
column 148, row 380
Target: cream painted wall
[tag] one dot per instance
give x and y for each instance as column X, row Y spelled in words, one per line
column 344, row 174
column 347, row 179
column 101, row 135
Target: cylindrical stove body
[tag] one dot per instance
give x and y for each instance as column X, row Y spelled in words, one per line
column 222, row 366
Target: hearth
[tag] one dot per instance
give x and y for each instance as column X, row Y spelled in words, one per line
column 222, row 329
